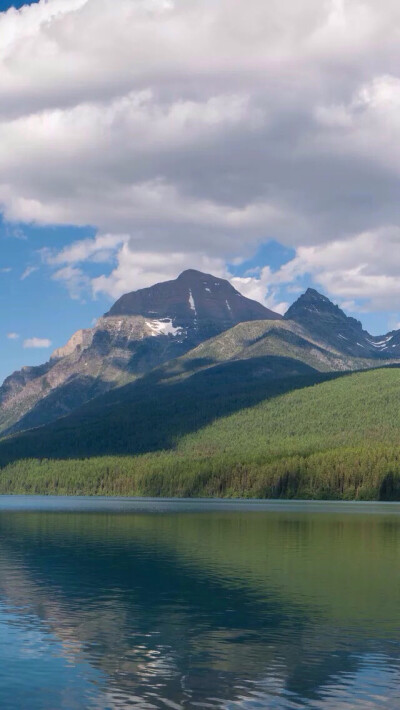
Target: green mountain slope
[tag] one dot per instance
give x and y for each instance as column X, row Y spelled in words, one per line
column 152, row 413
column 224, row 431
column 246, row 341
column 266, row 338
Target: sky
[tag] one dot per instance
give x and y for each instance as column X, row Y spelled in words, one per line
column 142, row 137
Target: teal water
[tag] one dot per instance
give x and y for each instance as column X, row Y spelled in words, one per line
column 116, row 603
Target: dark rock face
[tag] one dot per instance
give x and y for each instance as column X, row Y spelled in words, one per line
column 196, row 302
column 331, row 326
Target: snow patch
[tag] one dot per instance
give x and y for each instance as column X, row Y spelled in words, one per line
column 163, row 327
column 342, row 336
column 191, row 302
column 208, row 289
column 381, row 344
column 228, row 307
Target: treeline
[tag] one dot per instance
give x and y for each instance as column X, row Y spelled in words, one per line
column 370, row 473
column 293, row 438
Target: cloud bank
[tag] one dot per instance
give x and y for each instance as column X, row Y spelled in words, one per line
column 205, row 128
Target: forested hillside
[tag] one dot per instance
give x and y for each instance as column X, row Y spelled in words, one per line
column 309, row 436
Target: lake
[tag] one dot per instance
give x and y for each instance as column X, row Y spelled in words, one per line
column 122, row 603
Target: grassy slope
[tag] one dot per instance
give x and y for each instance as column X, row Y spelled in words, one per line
column 337, row 439
column 265, row 338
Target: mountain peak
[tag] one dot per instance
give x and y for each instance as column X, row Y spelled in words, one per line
column 330, row 325
column 311, row 295
column 193, row 274
column 312, row 303
column 193, row 301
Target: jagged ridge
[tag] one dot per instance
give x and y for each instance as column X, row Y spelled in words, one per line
column 331, row 326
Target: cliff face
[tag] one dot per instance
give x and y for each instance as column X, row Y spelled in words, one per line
column 142, row 330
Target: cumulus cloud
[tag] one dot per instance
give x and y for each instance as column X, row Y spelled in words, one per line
column 261, row 287
column 140, row 269
column 75, row 280
column 203, row 128
column 99, row 249
column 37, row 343
column 363, row 267
column 135, row 270
column 12, row 336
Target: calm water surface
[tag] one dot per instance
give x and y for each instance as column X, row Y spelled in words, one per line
column 198, row 604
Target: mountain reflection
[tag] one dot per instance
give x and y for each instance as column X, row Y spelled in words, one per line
column 209, row 609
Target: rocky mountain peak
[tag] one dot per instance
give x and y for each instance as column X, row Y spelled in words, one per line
column 331, row 326
column 194, row 301
column 193, row 275
column 311, row 303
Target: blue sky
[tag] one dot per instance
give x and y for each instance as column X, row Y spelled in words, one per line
column 35, row 305
column 206, row 153
column 5, row 5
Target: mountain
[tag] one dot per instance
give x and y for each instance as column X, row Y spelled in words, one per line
column 189, row 324
column 234, row 370
column 264, row 407
column 142, row 330
column 330, row 325
column 195, row 303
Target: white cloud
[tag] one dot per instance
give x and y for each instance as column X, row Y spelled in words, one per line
column 365, row 266
column 28, row 271
column 99, row 249
column 76, row 281
column 12, row 336
column 134, row 270
column 140, row 269
column 261, row 287
column 37, row 343
column 203, row 128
